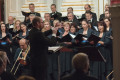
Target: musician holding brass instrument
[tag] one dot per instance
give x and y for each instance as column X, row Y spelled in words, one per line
column 21, row 58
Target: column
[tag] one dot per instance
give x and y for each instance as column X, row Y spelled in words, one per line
column 0, row 9
column 115, row 11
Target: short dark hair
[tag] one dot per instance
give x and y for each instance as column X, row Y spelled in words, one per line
column 88, row 12
column 88, row 5
column 74, row 25
column 70, row 13
column 35, row 20
column 85, row 21
column 48, row 14
column 70, row 8
column 31, row 4
column 53, row 5
column 107, row 18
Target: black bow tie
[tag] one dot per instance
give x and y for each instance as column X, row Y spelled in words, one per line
column 11, row 24
column 89, row 21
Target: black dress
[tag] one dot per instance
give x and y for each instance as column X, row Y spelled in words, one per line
column 101, row 69
column 5, row 45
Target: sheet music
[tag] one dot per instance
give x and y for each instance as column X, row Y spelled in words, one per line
column 73, row 36
column 54, row 48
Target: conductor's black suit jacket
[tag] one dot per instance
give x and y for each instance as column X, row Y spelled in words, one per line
column 78, row 75
column 39, row 47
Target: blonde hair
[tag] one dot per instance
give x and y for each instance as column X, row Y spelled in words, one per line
column 55, row 21
column 80, row 61
column 15, row 27
column 43, row 29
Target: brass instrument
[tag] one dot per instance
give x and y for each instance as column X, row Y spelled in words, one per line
column 16, row 66
column 109, row 76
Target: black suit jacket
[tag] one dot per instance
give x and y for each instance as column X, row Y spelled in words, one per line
column 102, row 16
column 78, row 75
column 93, row 16
column 94, row 22
column 39, row 47
column 57, row 15
column 8, row 27
column 35, row 13
column 75, row 21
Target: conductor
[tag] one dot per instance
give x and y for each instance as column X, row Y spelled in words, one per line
column 39, row 49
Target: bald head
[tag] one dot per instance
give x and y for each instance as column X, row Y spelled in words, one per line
column 23, row 44
column 10, row 19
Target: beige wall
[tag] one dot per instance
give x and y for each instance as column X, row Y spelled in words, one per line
column 14, row 7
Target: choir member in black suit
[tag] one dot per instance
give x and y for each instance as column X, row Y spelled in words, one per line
column 10, row 24
column 88, row 8
column 72, row 19
column 105, row 15
column 55, row 15
column 4, row 75
column 39, row 49
column 5, row 42
column 91, row 20
column 70, row 10
column 29, row 21
column 85, row 30
column 102, row 16
column 48, row 18
column 32, row 11
column 80, row 62
column 24, row 32
column 24, row 68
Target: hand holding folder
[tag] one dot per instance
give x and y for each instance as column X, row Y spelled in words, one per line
column 4, row 38
column 66, row 38
column 93, row 39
